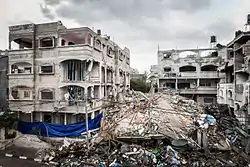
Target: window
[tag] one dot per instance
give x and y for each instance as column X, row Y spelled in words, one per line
column 47, row 69
column 46, row 42
column 26, row 94
column 14, row 93
column 47, row 95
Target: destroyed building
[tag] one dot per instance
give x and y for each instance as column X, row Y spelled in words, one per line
column 233, row 89
column 54, row 69
column 191, row 72
column 3, row 80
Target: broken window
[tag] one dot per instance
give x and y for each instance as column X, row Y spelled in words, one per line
column 47, row 69
column 47, row 95
column 187, row 69
column 46, row 42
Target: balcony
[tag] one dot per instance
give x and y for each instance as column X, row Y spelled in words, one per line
column 75, row 52
column 188, row 75
column 21, row 79
column 199, row 90
column 209, row 74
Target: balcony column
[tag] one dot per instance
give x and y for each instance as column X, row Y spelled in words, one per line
column 198, row 82
column 176, row 84
column 65, row 119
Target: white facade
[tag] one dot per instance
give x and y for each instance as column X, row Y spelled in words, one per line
column 54, row 69
column 192, row 72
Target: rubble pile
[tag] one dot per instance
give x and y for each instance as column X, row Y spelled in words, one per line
column 162, row 115
column 163, row 130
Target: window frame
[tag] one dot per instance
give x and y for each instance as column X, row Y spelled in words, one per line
column 47, row 73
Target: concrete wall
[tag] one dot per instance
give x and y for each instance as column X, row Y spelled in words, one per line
column 3, row 80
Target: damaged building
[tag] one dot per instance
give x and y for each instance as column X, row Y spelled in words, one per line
column 3, row 80
column 54, row 70
column 233, row 89
column 191, row 72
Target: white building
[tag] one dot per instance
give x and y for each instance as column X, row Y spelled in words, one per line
column 52, row 70
column 191, row 72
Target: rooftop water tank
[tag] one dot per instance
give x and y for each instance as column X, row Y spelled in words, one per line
column 213, row 39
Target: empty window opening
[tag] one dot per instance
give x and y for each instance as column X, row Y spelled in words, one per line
column 47, row 69
column 167, row 69
column 46, row 42
column 230, row 93
column 22, row 67
column 71, row 43
column 21, row 43
column 46, row 95
column 187, row 69
column 14, row 94
column 63, row 42
column 209, row 68
column 47, row 118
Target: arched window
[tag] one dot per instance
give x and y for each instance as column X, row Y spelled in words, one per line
column 209, row 68
column 187, row 69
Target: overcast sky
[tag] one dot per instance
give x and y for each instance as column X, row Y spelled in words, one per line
column 138, row 24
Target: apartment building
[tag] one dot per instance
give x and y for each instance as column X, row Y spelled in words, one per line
column 3, row 80
column 234, row 88
column 191, row 72
column 54, row 69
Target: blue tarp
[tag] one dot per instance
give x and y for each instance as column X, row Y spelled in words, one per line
column 58, row 130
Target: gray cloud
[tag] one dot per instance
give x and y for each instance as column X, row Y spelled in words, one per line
column 47, row 12
column 143, row 24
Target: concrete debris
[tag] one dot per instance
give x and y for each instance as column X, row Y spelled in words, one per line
column 163, row 130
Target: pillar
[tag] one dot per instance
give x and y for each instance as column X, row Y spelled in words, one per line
column 65, row 119
column 176, row 84
column 41, row 117
column 198, row 82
